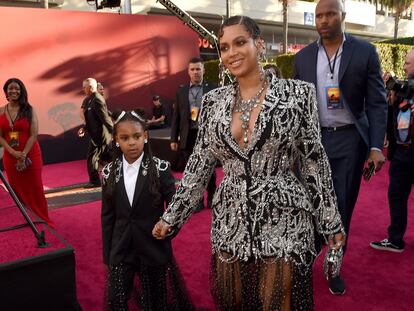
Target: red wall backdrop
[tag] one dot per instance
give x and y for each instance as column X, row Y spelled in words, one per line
column 134, row 56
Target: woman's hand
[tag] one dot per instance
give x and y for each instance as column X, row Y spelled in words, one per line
column 22, row 156
column 20, row 165
column 18, row 154
column 336, row 241
column 161, row 230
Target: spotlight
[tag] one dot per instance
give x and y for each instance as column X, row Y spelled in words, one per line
column 109, row 4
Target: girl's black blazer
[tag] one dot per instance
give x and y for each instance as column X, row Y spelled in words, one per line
column 126, row 229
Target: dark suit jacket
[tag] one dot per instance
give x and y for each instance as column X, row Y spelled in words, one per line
column 97, row 120
column 360, row 83
column 180, row 124
column 126, row 229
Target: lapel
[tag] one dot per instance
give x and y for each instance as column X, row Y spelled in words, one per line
column 141, row 179
column 347, row 51
column 269, row 103
column 121, row 188
column 313, row 62
column 272, row 100
column 206, row 88
column 185, row 102
column 229, row 98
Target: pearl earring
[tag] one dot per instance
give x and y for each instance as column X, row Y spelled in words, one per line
column 117, row 144
column 145, row 141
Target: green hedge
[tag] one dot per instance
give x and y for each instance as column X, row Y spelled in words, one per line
column 404, row 41
column 286, row 64
column 392, row 57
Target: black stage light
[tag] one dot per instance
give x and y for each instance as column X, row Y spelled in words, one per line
column 109, row 4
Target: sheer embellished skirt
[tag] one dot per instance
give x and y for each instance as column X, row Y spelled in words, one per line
column 147, row 288
column 270, row 285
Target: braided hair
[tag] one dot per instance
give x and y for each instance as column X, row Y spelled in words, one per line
column 249, row 24
column 154, row 182
column 26, row 110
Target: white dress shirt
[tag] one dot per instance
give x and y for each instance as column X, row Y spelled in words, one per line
column 131, row 172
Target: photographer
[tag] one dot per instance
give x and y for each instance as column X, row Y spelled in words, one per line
column 400, row 134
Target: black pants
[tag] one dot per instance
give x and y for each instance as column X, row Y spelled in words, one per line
column 156, row 288
column 96, row 155
column 401, row 174
column 346, row 152
column 186, row 153
column 121, row 283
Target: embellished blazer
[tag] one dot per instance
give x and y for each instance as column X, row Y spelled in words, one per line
column 126, row 229
column 261, row 209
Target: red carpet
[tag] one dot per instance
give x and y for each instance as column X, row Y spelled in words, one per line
column 375, row 280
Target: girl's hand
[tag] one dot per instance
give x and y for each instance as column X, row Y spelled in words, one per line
column 336, row 241
column 161, row 230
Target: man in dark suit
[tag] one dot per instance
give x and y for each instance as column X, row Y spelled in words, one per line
column 185, row 117
column 99, row 126
column 400, row 134
column 351, row 102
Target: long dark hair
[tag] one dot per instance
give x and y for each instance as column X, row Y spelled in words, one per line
column 251, row 26
column 26, row 110
column 154, row 182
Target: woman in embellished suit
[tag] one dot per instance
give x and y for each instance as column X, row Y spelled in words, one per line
column 263, row 216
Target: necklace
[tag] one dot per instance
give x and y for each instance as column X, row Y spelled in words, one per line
column 246, row 107
column 13, row 120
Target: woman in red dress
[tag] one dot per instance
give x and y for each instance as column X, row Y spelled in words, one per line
column 22, row 157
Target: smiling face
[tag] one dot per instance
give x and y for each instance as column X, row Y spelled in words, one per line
column 329, row 19
column 239, row 50
column 13, row 92
column 130, row 136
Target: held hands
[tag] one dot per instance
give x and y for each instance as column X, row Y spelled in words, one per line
column 19, row 155
column 174, row 146
column 336, row 241
column 161, row 230
column 81, row 132
column 377, row 158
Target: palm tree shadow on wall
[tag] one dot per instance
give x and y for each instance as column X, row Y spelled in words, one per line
column 132, row 73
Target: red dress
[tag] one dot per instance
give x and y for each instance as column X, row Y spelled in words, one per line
column 28, row 183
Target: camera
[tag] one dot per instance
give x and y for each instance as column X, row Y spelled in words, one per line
column 402, row 88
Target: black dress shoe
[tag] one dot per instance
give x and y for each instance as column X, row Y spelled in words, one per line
column 337, row 286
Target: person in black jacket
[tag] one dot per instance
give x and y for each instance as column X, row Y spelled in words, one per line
column 186, row 112
column 400, row 134
column 98, row 124
column 136, row 186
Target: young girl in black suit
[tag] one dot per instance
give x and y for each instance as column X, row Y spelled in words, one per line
column 136, row 186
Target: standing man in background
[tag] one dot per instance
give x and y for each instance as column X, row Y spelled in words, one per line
column 99, row 126
column 184, row 123
column 351, row 102
column 400, row 134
